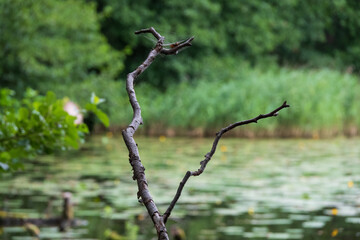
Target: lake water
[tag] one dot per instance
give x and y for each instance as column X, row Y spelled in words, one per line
column 251, row 189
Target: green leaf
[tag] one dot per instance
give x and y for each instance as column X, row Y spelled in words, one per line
column 23, row 113
column 5, row 156
column 71, row 142
column 102, row 116
column 50, row 97
column 30, row 93
column 90, row 107
column 83, row 128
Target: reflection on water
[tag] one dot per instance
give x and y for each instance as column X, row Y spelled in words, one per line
column 252, row 189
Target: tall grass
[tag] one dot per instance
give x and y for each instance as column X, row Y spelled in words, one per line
column 323, row 102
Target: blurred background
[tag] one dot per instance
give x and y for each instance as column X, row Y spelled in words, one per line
column 246, row 59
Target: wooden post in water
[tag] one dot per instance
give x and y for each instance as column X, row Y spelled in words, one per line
column 67, row 213
column 65, row 221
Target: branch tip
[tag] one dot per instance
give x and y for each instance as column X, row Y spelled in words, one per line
column 150, row 30
column 209, row 155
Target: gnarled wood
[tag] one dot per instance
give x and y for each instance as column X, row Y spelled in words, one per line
column 128, row 135
column 209, row 155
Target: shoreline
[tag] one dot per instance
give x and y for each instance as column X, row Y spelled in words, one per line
column 249, row 133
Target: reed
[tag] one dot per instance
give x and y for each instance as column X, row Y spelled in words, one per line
column 323, row 102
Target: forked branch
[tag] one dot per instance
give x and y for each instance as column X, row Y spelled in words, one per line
column 134, row 157
column 128, row 135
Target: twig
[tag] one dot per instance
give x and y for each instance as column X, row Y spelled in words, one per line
column 150, row 30
column 209, row 155
column 134, row 157
column 175, row 49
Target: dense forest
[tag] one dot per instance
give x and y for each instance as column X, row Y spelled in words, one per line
column 247, row 57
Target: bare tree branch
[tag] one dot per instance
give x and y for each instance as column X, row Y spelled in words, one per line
column 177, row 46
column 209, row 155
column 143, row 194
column 134, row 157
column 150, row 30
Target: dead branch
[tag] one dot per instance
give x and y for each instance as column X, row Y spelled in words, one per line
column 134, row 157
column 209, row 155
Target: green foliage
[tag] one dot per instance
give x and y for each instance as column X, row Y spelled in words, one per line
column 320, row 100
column 92, row 107
column 132, row 230
column 37, row 125
column 117, row 104
column 314, row 33
column 229, row 90
column 44, row 44
column 57, row 45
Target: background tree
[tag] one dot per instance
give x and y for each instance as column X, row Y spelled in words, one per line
column 53, row 44
column 314, row 33
column 301, row 49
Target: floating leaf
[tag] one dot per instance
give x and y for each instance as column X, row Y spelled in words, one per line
column 232, row 230
column 354, row 220
column 313, row 224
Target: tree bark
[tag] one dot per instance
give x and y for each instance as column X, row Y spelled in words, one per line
column 128, row 134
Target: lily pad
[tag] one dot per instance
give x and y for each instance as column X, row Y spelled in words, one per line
column 313, row 224
column 232, row 230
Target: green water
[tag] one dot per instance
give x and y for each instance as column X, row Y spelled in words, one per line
column 251, row 189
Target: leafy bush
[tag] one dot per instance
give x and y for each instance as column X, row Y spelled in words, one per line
column 37, row 125
column 117, row 104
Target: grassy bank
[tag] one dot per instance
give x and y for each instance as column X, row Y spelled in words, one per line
column 323, row 102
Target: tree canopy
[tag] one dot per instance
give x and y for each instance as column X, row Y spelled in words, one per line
column 306, row 32
column 49, row 43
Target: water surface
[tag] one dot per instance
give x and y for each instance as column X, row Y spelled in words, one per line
column 251, row 189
